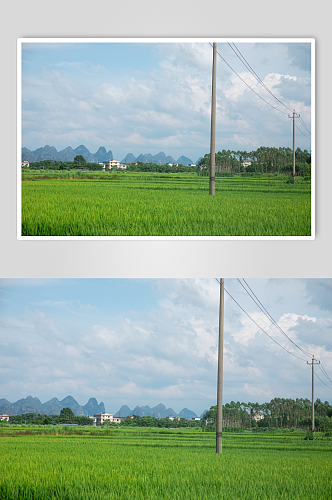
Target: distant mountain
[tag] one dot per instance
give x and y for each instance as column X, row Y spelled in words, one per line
column 67, row 154
column 188, row 414
column 159, row 411
column 129, row 158
column 52, row 407
column 184, row 161
column 159, row 158
column 124, row 412
column 102, row 155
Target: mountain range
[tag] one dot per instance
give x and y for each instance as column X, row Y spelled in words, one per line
column 68, row 154
column 54, row 406
column 159, row 411
column 159, row 159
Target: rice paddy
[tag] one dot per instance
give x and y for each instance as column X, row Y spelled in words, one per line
column 164, row 205
column 163, row 464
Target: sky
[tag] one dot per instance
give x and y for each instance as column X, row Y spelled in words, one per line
column 132, row 97
column 150, row 341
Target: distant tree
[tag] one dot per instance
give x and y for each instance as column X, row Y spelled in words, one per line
column 67, row 413
column 80, row 161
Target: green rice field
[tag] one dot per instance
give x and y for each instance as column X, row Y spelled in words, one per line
column 164, row 205
column 153, row 464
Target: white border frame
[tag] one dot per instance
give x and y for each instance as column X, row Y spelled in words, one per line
column 20, row 41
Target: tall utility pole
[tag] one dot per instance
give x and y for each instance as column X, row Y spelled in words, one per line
column 220, row 370
column 313, row 363
column 294, row 115
column 213, row 122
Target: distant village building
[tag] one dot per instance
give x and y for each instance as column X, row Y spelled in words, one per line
column 246, row 163
column 173, row 164
column 258, row 416
column 195, row 418
column 192, row 165
column 106, row 417
column 4, row 417
column 25, row 164
column 173, row 418
column 111, row 163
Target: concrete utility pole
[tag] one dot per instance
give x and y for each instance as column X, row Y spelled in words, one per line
column 313, row 363
column 294, row 115
column 213, row 122
column 220, row 370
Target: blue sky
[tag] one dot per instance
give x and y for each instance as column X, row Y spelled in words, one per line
column 151, row 341
column 151, row 97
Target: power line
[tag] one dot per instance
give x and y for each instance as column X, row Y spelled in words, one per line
column 244, row 61
column 279, row 328
column 261, row 327
column 301, row 120
column 268, row 315
column 325, row 372
column 302, row 132
column 249, row 85
column 322, row 381
column 247, row 65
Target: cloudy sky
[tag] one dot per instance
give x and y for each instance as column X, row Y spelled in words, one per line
column 151, row 97
column 145, row 342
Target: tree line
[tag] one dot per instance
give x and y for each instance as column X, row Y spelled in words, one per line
column 278, row 413
column 66, row 416
column 138, row 421
column 80, row 163
column 263, row 160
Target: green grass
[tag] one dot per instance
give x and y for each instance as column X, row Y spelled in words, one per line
column 164, row 464
column 164, row 205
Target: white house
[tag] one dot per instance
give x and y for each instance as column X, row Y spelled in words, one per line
column 258, row 416
column 25, row 164
column 4, row 417
column 106, row 417
column 111, row 163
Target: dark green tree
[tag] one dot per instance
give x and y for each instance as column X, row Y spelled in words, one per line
column 67, row 413
column 79, row 161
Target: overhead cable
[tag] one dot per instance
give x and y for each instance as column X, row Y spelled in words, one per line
column 249, row 85
column 247, row 65
column 268, row 315
column 260, row 326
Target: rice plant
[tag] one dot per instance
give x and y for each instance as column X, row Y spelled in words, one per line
column 164, row 464
column 129, row 205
